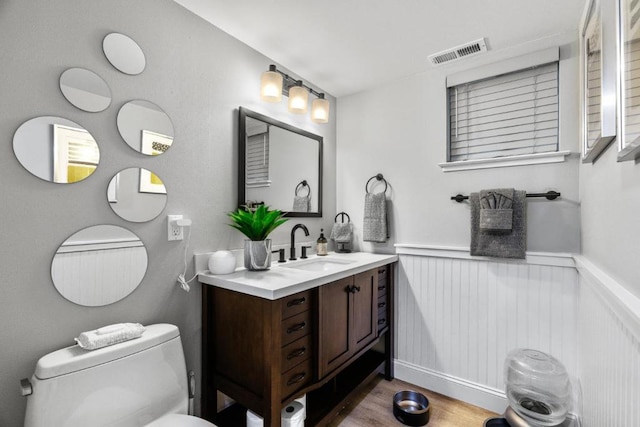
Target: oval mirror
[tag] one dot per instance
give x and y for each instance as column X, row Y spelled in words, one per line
column 124, row 53
column 56, row 149
column 137, row 195
column 145, row 127
column 85, row 90
column 99, row 265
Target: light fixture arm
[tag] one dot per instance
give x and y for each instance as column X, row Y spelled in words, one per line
column 290, row 81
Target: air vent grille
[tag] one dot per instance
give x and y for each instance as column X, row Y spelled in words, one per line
column 468, row 49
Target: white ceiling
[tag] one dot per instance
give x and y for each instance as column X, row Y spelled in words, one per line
column 346, row 46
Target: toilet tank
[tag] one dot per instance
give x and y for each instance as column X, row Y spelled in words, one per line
column 128, row 384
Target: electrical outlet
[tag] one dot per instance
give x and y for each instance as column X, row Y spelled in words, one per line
column 174, row 231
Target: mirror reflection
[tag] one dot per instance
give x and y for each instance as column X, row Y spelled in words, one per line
column 99, row 265
column 85, row 90
column 137, row 195
column 56, row 149
column 279, row 165
column 145, row 127
column 124, row 53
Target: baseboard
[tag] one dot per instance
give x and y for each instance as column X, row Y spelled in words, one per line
column 457, row 388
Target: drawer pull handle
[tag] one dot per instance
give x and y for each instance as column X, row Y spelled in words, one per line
column 382, row 321
column 296, row 378
column 382, row 271
column 296, row 301
column 296, row 353
column 296, row 327
column 381, row 288
column 381, row 304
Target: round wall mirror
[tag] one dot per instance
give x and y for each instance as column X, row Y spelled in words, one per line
column 124, row 53
column 56, row 149
column 85, row 90
column 137, row 195
column 99, row 265
column 145, row 127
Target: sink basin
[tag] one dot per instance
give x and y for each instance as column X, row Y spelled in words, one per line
column 318, row 264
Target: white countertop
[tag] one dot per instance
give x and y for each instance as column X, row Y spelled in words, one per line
column 282, row 280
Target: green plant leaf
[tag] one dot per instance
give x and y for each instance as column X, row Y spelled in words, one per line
column 257, row 224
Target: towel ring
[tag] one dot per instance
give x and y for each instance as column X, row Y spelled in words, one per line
column 379, row 177
column 342, row 215
column 302, row 185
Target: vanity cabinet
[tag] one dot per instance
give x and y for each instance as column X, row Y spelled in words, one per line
column 264, row 353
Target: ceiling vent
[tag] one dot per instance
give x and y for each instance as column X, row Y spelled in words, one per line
column 468, row 49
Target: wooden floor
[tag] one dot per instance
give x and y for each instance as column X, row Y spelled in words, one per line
column 374, row 407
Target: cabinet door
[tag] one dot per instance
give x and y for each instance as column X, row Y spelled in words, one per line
column 365, row 309
column 335, row 343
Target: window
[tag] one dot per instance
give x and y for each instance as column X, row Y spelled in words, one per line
column 506, row 116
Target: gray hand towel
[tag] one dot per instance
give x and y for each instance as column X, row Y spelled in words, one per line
column 508, row 245
column 496, row 213
column 341, row 232
column 301, row 203
column 375, row 227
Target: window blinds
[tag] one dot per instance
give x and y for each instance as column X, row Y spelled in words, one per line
column 507, row 115
column 631, row 101
column 257, row 162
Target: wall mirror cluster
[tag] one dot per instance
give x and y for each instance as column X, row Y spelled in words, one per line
column 279, row 165
column 99, row 265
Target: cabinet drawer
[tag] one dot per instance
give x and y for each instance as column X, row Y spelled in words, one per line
column 382, row 289
column 296, row 353
column 382, row 318
column 296, row 378
column 382, row 274
column 296, row 327
column 295, row 304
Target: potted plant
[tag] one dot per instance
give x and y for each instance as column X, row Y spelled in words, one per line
column 257, row 224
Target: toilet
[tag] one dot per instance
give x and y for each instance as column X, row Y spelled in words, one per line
column 141, row 382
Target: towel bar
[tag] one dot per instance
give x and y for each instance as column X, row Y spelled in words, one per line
column 379, row 177
column 550, row 195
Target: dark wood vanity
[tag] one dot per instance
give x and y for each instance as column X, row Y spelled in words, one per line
column 327, row 342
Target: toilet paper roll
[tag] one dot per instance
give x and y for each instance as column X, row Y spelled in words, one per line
column 293, row 415
column 303, row 401
column 254, row 420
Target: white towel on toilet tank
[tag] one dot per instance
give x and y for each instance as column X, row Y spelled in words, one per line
column 109, row 335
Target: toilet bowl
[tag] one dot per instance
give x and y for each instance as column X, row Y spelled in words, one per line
column 141, row 382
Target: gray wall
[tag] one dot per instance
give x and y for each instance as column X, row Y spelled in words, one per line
column 199, row 76
column 399, row 130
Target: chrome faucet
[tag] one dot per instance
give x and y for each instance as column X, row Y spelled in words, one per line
column 292, row 251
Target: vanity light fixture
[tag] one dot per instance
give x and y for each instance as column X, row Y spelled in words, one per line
column 274, row 83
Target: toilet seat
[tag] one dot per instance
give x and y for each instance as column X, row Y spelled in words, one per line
column 180, row 420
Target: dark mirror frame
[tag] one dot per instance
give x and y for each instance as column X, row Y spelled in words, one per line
column 242, row 136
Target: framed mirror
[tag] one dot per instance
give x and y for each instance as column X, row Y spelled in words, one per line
column 56, row 149
column 99, row 265
column 145, row 127
column 279, row 165
column 137, row 194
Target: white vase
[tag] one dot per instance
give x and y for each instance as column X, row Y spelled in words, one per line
column 222, row 262
column 257, row 254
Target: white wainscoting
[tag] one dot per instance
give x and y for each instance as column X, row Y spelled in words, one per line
column 609, row 349
column 458, row 316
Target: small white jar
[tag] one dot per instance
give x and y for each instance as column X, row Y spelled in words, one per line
column 222, row 262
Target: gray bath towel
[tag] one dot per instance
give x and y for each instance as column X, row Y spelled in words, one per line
column 375, row 228
column 503, row 244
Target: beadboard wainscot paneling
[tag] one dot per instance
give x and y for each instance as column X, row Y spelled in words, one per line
column 609, row 348
column 458, row 316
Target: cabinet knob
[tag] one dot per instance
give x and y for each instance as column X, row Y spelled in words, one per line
column 381, row 304
column 381, row 288
column 352, row 289
column 381, row 321
column 296, row 327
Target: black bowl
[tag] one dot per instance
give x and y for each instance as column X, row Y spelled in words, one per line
column 411, row 408
column 496, row 422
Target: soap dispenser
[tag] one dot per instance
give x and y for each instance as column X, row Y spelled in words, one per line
column 321, row 245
